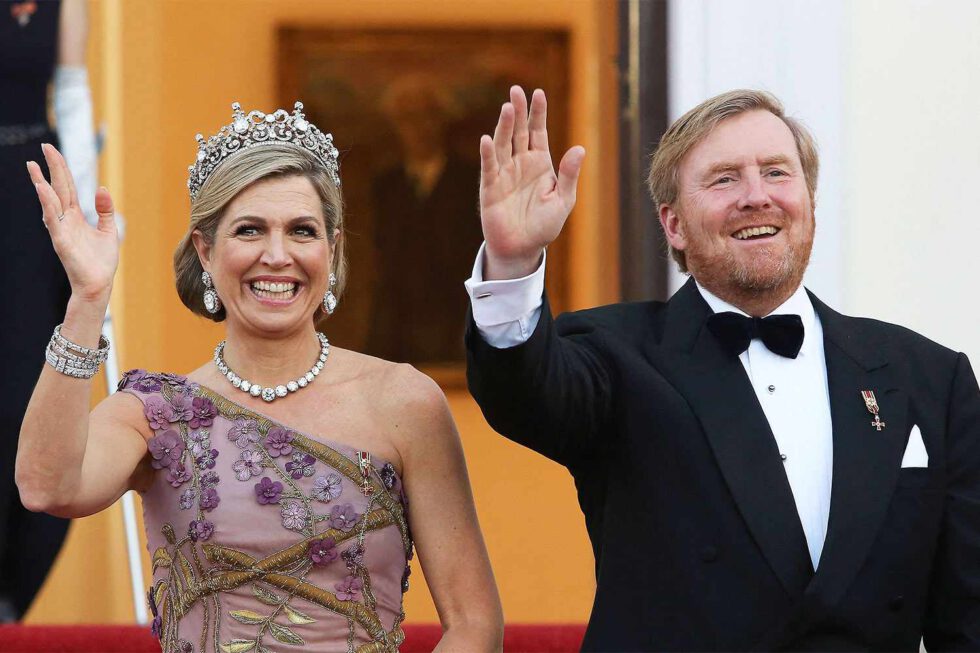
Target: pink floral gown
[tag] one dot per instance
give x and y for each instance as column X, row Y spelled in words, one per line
column 263, row 538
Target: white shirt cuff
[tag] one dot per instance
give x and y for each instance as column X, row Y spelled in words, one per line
column 506, row 311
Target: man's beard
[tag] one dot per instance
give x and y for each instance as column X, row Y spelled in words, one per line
column 727, row 275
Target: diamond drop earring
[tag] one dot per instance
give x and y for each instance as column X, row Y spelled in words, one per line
column 329, row 299
column 212, row 303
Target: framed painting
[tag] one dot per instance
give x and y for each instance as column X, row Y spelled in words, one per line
column 407, row 108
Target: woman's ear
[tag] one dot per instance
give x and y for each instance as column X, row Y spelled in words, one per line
column 203, row 248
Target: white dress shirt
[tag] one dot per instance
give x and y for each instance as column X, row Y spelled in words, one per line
column 793, row 392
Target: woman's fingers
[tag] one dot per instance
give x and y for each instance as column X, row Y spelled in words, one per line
column 519, row 100
column 538, row 121
column 61, row 180
column 504, row 134
column 105, row 209
column 50, row 203
column 50, row 206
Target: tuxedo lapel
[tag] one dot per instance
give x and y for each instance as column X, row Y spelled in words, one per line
column 719, row 392
column 866, row 461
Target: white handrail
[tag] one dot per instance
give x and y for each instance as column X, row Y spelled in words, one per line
column 128, row 501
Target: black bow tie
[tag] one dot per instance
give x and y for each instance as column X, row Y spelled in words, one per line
column 781, row 334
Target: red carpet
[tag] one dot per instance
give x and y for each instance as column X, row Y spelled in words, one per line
column 524, row 638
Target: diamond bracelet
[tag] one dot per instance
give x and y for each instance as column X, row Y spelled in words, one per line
column 72, row 359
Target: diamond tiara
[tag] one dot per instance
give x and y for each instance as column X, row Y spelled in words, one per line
column 256, row 129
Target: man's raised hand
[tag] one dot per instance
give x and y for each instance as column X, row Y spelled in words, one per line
column 523, row 203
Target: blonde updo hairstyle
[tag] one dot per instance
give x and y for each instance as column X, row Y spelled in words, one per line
column 232, row 177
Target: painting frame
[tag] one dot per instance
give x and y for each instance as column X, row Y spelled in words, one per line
column 388, row 95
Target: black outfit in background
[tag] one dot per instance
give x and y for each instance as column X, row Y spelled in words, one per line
column 424, row 245
column 698, row 544
column 35, row 290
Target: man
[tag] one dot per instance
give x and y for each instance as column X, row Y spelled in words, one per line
column 810, row 481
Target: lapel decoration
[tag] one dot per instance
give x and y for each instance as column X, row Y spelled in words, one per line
column 872, row 405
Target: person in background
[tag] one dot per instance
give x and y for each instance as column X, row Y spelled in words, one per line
column 42, row 53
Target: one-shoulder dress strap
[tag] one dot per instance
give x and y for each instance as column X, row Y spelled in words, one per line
column 161, row 393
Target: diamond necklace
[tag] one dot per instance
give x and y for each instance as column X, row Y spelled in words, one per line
column 270, row 393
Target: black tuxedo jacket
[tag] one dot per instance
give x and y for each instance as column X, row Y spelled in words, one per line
column 698, row 544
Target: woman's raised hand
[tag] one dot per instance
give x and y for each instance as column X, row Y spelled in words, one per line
column 523, row 203
column 89, row 254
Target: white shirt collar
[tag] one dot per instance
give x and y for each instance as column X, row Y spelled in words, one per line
column 798, row 304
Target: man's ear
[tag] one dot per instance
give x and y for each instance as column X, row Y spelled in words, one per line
column 673, row 230
column 203, row 249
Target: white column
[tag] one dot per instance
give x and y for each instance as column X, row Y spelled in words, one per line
column 913, row 147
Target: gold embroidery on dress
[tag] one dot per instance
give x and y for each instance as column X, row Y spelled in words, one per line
column 188, row 581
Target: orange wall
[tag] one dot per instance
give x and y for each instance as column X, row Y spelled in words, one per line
column 164, row 70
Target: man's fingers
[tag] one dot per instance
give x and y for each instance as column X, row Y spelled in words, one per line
column 503, row 134
column 105, row 209
column 568, row 173
column 519, row 100
column 488, row 158
column 60, row 177
column 538, row 121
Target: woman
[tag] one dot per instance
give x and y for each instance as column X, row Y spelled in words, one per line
column 42, row 57
column 275, row 493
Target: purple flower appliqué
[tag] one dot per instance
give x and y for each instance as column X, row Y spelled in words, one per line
column 303, row 464
column 209, row 499
column 174, row 379
column 209, row 479
column 349, row 589
column 158, row 412
column 182, row 407
column 202, row 412
column 248, row 466
column 156, row 627
column 200, row 441
column 353, row 557
column 343, row 517
column 327, row 488
column 405, row 575
column 177, row 475
column 323, row 550
column 166, row 449
column 388, row 475
column 267, row 491
column 130, row 377
column 147, row 382
column 244, row 432
column 187, row 498
column 277, row 442
column 294, row 515
column 200, row 530
column 205, row 460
